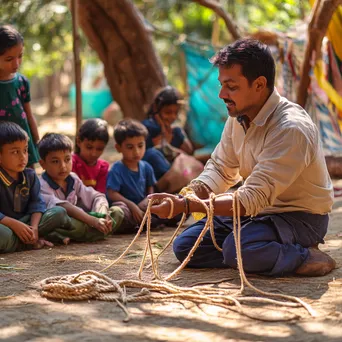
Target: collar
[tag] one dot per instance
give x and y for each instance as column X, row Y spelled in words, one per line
column 267, row 109
column 8, row 180
column 70, row 183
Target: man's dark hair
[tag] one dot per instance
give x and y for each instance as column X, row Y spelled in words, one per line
column 52, row 142
column 11, row 132
column 93, row 129
column 254, row 57
column 9, row 37
column 129, row 128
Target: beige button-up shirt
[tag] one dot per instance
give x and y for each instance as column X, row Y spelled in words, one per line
column 280, row 158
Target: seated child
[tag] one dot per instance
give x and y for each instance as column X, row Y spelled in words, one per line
column 91, row 141
column 61, row 187
column 164, row 141
column 24, row 220
column 131, row 179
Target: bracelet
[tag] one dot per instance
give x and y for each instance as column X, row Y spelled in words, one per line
column 186, row 204
column 172, row 206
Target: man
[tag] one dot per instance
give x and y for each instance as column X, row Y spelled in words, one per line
column 287, row 193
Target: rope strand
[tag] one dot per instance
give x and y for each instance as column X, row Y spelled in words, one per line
column 96, row 285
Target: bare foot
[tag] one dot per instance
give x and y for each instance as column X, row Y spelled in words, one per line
column 66, row 241
column 316, row 264
column 41, row 243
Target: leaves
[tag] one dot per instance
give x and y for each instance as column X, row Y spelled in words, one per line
column 47, row 27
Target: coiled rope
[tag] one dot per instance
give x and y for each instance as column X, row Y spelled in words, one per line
column 95, row 285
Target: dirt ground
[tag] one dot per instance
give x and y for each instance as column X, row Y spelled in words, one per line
column 26, row 316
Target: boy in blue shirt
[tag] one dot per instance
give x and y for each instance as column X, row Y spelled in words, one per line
column 24, row 220
column 131, row 179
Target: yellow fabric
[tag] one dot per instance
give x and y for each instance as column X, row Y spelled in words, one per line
column 188, row 191
column 334, row 32
column 333, row 95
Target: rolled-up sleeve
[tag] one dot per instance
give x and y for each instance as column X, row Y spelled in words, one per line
column 222, row 170
column 285, row 155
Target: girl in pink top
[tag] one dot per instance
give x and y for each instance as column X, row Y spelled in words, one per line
column 91, row 141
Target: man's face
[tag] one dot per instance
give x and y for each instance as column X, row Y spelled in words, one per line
column 14, row 157
column 239, row 96
column 11, row 60
column 58, row 165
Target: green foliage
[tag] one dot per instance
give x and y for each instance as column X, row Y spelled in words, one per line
column 280, row 15
column 46, row 28
column 186, row 17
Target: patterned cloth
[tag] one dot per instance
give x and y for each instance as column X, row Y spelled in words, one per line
column 13, row 94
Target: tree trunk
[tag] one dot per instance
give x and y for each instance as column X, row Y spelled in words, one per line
column 116, row 31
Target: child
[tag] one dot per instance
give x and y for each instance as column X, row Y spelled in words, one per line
column 23, row 214
column 15, row 89
column 91, row 141
column 131, row 179
column 61, row 187
column 171, row 140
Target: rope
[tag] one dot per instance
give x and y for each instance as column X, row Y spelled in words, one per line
column 95, row 285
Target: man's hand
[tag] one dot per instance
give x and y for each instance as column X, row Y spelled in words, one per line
column 162, row 207
column 137, row 213
column 103, row 225
column 23, row 231
column 201, row 190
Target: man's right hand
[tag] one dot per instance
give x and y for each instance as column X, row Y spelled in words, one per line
column 23, row 231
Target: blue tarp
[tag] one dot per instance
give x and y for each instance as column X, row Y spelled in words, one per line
column 207, row 112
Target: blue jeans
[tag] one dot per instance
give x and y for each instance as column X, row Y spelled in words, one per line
column 273, row 245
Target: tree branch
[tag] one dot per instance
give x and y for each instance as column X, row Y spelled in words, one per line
column 217, row 8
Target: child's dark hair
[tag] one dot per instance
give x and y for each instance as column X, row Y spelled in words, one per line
column 166, row 96
column 129, row 128
column 11, row 132
column 52, row 142
column 93, row 129
column 9, row 37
